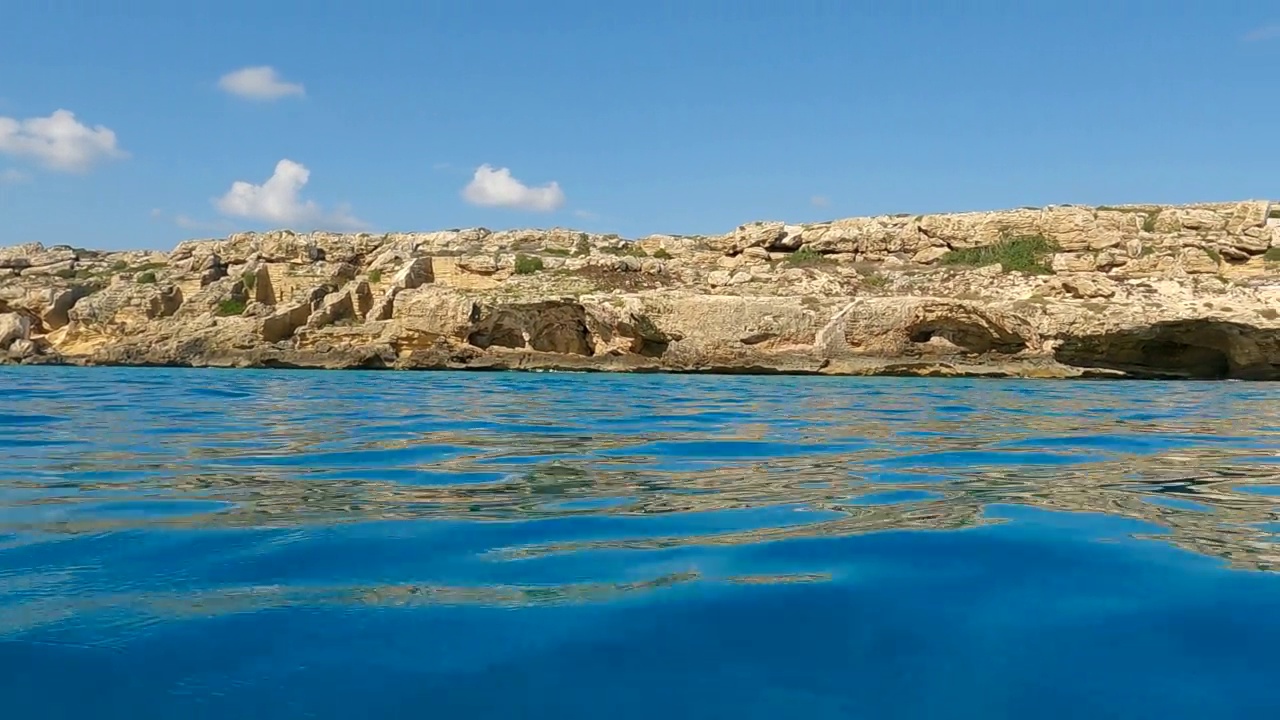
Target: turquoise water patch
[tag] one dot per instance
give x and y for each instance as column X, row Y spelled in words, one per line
column 197, row 543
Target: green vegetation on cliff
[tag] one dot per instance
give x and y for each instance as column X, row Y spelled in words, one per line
column 1024, row 253
column 528, row 265
column 233, row 306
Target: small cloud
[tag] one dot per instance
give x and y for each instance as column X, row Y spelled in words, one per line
column 188, row 223
column 820, row 201
column 441, row 166
column 277, row 200
column 13, row 176
column 59, row 142
column 586, row 215
column 259, row 83
column 1266, row 32
column 497, row 188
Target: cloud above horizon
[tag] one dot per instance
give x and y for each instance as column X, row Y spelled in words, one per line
column 820, row 201
column 261, row 82
column 13, row 176
column 186, row 222
column 278, row 200
column 1266, row 32
column 495, row 187
column 59, row 142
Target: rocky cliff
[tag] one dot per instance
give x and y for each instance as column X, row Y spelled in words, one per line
column 1062, row 291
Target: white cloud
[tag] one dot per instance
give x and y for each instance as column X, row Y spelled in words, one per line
column 1266, row 32
column 259, row 83
column 586, row 214
column 59, row 142
column 278, row 201
column 496, row 188
column 186, row 222
column 13, row 176
column 819, row 201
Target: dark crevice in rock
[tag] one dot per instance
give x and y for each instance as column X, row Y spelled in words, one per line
column 1191, row 349
column 546, row 327
column 757, row 338
column 653, row 348
column 972, row 337
column 499, row 331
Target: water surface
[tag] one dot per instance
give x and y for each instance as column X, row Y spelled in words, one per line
column 203, row 543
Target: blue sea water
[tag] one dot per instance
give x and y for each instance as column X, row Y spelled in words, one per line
column 281, row 544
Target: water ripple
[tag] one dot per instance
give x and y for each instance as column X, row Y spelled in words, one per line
column 137, row 506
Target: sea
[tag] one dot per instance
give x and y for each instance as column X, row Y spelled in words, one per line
column 200, row 543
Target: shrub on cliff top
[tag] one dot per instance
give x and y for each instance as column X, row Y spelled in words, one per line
column 1023, row 253
column 806, row 256
column 662, row 254
column 526, row 265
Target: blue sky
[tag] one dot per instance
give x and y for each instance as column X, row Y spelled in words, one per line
column 689, row 116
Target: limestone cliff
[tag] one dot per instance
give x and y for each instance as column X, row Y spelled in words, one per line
column 1063, row 291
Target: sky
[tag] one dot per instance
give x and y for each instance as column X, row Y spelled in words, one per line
column 137, row 124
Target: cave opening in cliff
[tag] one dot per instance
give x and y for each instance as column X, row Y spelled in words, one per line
column 499, row 334
column 1192, row 350
column 968, row 336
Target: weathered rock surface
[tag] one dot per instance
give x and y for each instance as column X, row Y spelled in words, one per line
column 1064, row 291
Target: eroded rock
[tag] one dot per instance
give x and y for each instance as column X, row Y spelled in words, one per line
column 1133, row 290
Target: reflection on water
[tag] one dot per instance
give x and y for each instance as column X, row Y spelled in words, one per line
column 211, row 510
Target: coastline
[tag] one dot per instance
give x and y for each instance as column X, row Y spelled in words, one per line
column 1150, row 292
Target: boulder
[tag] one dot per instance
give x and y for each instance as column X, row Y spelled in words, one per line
column 13, row 326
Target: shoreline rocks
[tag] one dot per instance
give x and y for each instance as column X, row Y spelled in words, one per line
column 1137, row 291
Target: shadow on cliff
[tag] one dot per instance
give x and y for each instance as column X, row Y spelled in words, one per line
column 1185, row 349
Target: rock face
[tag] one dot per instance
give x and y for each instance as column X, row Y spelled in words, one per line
column 1064, row 291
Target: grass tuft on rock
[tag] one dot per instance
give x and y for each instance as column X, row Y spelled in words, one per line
column 874, row 280
column 1022, row 253
column 1272, row 254
column 375, row 275
column 146, row 278
column 662, row 254
column 232, row 306
column 628, row 249
column 806, row 256
column 528, row 265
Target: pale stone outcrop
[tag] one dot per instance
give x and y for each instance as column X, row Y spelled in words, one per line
column 1126, row 291
column 13, row 327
